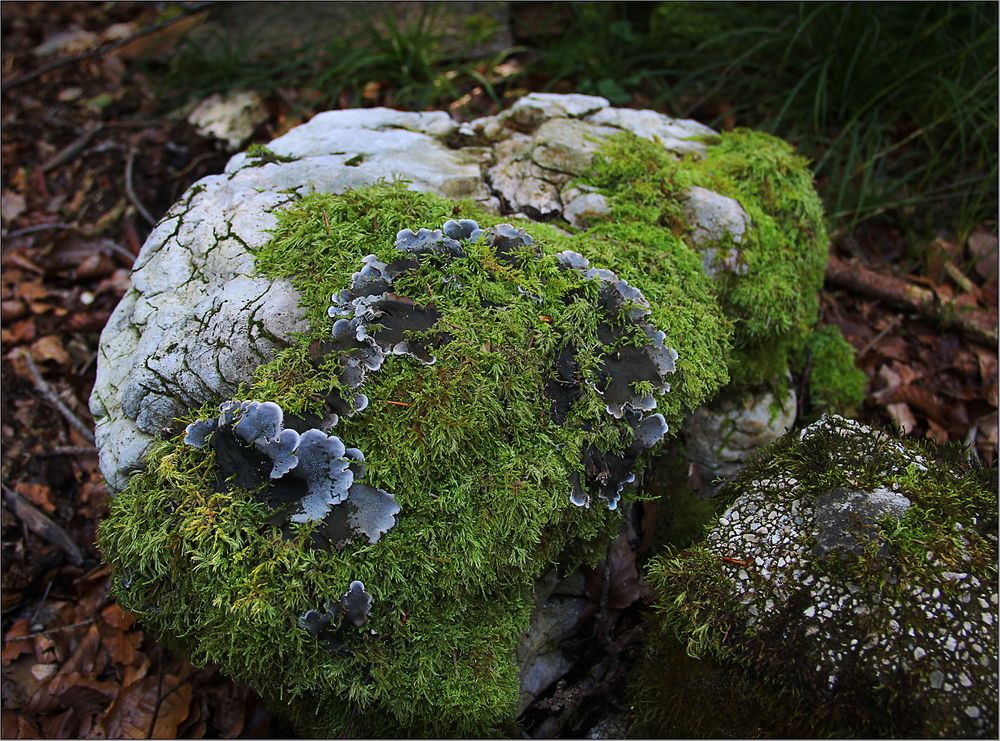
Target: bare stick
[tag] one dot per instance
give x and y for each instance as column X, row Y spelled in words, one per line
column 73, row 58
column 73, row 149
column 874, row 340
column 37, row 228
column 42, row 525
column 50, row 396
column 58, row 629
column 130, row 188
column 69, row 450
column 978, row 325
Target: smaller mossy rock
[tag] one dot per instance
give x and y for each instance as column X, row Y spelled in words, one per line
column 835, row 383
column 852, row 578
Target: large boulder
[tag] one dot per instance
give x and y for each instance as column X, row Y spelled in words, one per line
column 851, row 580
column 427, row 401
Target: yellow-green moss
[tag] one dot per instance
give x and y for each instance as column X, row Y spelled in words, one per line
column 835, row 384
column 774, row 305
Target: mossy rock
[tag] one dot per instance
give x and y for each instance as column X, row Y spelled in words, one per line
column 849, row 587
column 230, row 300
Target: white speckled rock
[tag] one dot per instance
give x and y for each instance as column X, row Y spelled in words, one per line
column 927, row 635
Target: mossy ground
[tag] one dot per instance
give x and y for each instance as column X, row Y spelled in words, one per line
column 953, row 515
column 467, row 446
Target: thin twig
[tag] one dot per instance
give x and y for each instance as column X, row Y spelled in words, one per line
column 69, row 450
column 58, row 629
column 73, row 149
column 37, row 228
column 73, row 58
column 397, row 403
column 161, row 696
column 50, row 396
column 41, row 604
column 896, row 319
column 42, row 525
column 130, row 188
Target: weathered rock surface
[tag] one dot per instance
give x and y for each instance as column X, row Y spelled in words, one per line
column 558, row 606
column 719, row 225
column 719, row 437
column 197, row 321
column 230, row 118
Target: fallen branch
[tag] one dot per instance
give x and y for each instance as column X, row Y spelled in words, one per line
column 978, row 325
column 50, row 396
column 42, row 526
column 73, row 58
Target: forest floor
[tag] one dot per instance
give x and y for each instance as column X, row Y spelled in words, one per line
column 90, row 159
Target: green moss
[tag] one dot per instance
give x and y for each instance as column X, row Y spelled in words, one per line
column 952, row 516
column 835, row 384
column 774, row 305
column 259, row 155
column 467, row 446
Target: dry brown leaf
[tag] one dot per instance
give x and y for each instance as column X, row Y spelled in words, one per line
column 14, row 643
column 22, row 331
column 38, row 494
column 936, row 432
column 902, row 417
column 131, row 713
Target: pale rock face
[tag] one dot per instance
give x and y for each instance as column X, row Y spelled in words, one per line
column 720, row 436
column 719, row 224
column 558, row 606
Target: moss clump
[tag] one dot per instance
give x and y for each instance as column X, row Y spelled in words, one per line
column 467, row 446
column 891, row 632
column 835, row 384
column 774, row 304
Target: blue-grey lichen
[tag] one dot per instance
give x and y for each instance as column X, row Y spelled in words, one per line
column 857, row 572
column 622, row 369
column 330, row 624
column 324, row 476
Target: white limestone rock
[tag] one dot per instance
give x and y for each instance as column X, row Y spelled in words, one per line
column 719, row 437
column 718, row 225
column 198, row 321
